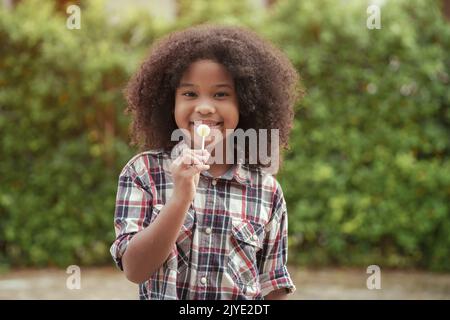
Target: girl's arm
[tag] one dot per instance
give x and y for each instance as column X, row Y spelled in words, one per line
column 274, row 277
column 279, row 294
column 149, row 248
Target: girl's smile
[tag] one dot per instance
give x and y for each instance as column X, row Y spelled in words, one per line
column 213, row 124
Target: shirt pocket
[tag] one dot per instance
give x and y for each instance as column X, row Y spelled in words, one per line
column 247, row 238
column 179, row 257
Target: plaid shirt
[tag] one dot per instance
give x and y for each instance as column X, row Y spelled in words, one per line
column 233, row 244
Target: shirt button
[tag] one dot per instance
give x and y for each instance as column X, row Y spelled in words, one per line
column 208, row 230
column 255, row 237
column 214, row 182
column 203, row 280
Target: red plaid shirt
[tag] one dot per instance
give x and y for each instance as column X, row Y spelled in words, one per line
column 233, row 244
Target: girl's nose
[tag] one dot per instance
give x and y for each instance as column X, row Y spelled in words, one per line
column 205, row 109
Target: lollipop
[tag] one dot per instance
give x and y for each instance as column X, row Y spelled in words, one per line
column 203, row 131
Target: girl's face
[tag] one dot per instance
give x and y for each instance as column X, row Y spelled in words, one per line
column 206, row 94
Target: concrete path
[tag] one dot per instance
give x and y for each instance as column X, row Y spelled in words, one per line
column 110, row 283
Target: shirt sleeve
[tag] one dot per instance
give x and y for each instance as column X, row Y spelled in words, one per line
column 132, row 211
column 273, row 257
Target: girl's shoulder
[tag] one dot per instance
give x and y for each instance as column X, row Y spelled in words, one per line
column 146, row 160
column 262, row 178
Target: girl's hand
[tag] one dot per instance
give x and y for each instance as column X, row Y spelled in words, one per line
column 186, row 173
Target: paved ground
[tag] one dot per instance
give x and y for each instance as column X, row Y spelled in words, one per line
column 109, row 283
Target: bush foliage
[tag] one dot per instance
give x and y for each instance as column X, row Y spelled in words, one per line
column 367, row 178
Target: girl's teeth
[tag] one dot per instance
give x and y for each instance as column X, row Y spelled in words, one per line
column 216, row 124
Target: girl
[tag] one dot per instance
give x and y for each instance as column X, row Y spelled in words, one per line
column 188, row 227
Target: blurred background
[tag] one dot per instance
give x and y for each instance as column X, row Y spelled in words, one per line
column 366, row 179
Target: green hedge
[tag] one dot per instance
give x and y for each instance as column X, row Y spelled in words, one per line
column 366, row 179
column 61, row 111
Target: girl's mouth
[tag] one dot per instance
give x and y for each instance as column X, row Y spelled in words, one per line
column 214, row 135
column 209, row 123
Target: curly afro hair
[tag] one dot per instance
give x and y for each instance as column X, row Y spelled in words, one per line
column 267, row 85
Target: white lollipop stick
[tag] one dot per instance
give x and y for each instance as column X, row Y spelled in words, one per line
column 203, row 131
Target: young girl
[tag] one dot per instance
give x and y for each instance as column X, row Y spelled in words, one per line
column 188, row 227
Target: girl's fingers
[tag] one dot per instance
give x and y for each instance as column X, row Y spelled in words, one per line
column 192, row 161
column 201, row 152
column 197, row 168
column 188, row 160
column 201, row 155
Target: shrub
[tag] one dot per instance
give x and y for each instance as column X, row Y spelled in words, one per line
column 367, row 177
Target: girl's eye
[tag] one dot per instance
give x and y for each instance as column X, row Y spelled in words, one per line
column 222, row 94
column 189, row 94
